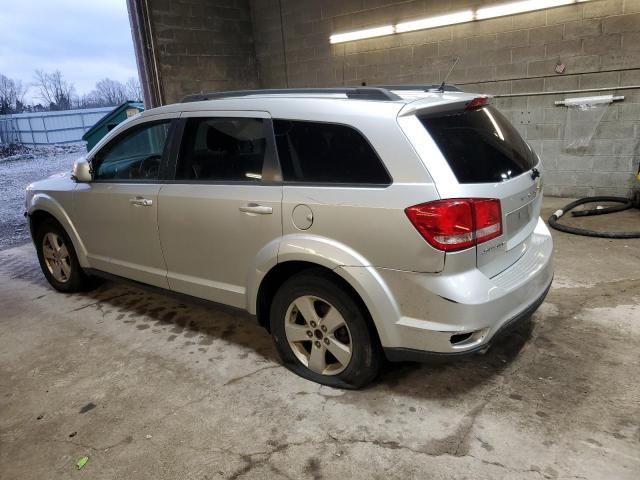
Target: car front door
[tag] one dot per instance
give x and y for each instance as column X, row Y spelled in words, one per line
column 116, row 213
column 223, row 209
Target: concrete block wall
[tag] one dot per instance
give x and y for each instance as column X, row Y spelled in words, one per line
column 605, row 167
column 203, row 45
column 598, row 41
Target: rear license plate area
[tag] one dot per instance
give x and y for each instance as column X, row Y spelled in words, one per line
column 517, row 219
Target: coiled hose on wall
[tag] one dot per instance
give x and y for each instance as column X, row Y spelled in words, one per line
column 626, row 204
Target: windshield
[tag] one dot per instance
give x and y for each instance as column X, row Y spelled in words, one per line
column 480, row 145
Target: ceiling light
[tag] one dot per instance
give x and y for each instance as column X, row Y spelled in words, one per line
column 439, row 21
column 518, row 7
column 360, row 34
column 465, row 16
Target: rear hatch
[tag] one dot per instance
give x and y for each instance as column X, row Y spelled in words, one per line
column 486, row 158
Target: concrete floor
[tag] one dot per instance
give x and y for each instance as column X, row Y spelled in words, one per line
column 149, row 387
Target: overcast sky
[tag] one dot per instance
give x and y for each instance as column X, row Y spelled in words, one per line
column 86, row 40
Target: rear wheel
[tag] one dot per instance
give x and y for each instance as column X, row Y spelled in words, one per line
column 321, row 332
column 58, row 258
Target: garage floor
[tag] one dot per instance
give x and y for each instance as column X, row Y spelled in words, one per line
column 149, row 387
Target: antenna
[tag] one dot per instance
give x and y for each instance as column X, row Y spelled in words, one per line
column 441, row 89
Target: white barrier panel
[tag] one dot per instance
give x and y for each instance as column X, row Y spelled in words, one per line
column 66, row 126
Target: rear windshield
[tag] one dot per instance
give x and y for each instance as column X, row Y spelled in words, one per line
column 480, row 145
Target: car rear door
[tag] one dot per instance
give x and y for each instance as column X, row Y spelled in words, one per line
column 222, row 211
column 116, row 213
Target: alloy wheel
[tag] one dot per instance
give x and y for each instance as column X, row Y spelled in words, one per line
column 318, row 335
column 56, row 257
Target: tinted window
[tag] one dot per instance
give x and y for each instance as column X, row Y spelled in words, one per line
column 326, row 153
column 480, row 145
column 134, row 155
column 222, row 149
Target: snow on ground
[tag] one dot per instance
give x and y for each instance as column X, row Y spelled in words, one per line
column 19, row 166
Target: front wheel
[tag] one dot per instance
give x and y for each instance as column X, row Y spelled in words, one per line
column 58, row 258
column 322, row 333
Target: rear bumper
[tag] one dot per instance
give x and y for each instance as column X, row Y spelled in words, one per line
column 399, row 354
column 450, row 314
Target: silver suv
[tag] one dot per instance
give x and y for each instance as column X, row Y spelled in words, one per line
column 354, row 223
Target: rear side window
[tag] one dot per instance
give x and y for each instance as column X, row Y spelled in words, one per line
column 312, row 152
column 481, row 146
column 222, row 149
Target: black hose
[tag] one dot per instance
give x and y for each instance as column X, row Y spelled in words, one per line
column 624, row 205
column 627, row 203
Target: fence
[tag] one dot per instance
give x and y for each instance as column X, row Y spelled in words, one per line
column 66, row 126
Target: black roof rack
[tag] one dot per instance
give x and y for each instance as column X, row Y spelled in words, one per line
column 361, row 93
column 425, row 88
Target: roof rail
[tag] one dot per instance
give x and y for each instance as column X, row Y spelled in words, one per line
column 361, row 93
column 425, row 88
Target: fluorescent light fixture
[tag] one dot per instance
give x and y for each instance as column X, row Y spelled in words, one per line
column 519, row 7
column 599, row 100
column 439, row 21
column 465, row 16
column 360, row 34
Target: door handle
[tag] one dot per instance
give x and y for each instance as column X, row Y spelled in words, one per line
column 143, row 202
column 256, row 209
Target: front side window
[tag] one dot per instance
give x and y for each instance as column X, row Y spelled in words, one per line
column 134, row 155
column 312, row 152
column 222, row 149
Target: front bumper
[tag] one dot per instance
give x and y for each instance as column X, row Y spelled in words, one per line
column 463, row 312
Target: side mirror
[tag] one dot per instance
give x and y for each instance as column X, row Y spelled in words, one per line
column 82, row 171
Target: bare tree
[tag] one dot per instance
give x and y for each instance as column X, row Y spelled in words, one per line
column 89, row 100
column 54, row 90
column 110, row 92
column 133, row 89
column 12, row 94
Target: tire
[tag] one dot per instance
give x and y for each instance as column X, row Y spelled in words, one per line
column 63, row 272
column 305, row 319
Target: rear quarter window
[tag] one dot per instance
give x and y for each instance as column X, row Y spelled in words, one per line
column 312, row 152
column 481, row 145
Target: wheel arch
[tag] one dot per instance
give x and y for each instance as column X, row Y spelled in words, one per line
column 36, row 218
column 42, row 207
column 340, row 263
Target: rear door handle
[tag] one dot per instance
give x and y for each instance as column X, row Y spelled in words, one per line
column 140, row 201
column 256, row 209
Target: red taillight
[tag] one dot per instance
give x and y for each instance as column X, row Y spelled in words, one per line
column 477, row 103
column 488, row 219
column 457, row 223
column 445, row 224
